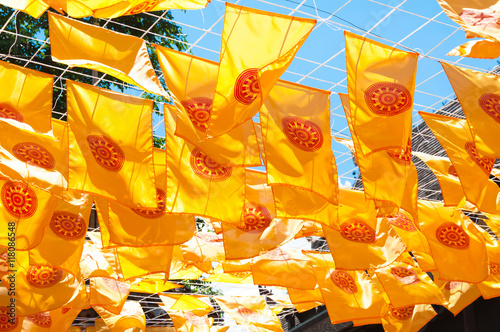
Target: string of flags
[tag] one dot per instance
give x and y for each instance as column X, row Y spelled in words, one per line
column 391, row 256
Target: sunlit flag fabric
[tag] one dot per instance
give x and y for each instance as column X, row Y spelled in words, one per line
column 191, row 81
column 362, row 241
column 456, row 245
column 381, row 84
column 478, row 95
column 197, row 184
column 40, row 160
column 218, row 275
column 409, row 231
column 186, row 321
column 447, row 176
column 296, row 134
column 24, row 211
column 458, row 294
column 410, row 318
column 250, row 310
column 110, row 148
column 34, row 8
column 348, row 295
column 483, row 49
column 203, row 247
column 83, row 45
column 26, row 97
column 108, row 293
column 184, row 302
column 472, row 168
column 62, row 318
column 249, row 70
column 131, row 316
column 143, row 227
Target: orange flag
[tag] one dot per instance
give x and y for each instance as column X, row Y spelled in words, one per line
column 110, row 148
column 131, row 316
column 191, row 81
column 110, row 294
column 473, row 169
column 381, row 84
column 198, row 305
column 34, row 8
column 250, row 310
column 348, row 295
column 26, row 97
column 218, row 275
column 153, row 259
column 482, row 49
column 247, row 73
column 79, row 44
column 199, row 185
column 476, row 93
column 407, row 229
column 186, row 321
column 410, row 318
column 458, row 294
column 203, row 247
column 456, row 245
column 296, row 134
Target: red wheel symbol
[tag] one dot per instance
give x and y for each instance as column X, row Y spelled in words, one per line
column 34, row 154
column 143, row 7
column 402, row 313
column 278, row 255
column 388, row 99
column 490, row 103
column 117, row 286
column 256, row 216
column 67, row 225
column 405, row 275
column 344, row 281
column 485, row 18
column 304, row 134
column 452, row 171
column 9, row 112
column 452, row 285
column 357, row 231
column 64, row 310
column 196, row 320
column 43, row 276
column 400, row 220
column 403, row 157
column 198, row 110
column 494, row 268
column 485, row 163
column 106, row 152
column 452, row 235
column 247, row 86
column 208, row 169
column 249, row 314
column 43, row 319
column 6, row 320
column 161, row 197
column 239, row 274
column 19, row 199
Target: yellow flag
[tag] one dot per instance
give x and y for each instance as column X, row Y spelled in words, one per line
column 26, row 97
column 111, row 154
column 152, row 286
column 203, row 247
column 249, row 70
column 24, row 211
column 296, row 134
column 458, row 294
column 457, row 247
column 348, row 295
column 199, row 185
column 408, row 230
column 409, row 318
column 250, row 310
column 482, row 49
column 67, row 227
column 182, row 302
column 191, row 81
column 473, row 169
column 298, row 296
column 131, row 316
column 108, row 293
column 187, row 321
column 218, row 275
column 381, row 84
column 153, row 259
column 476, row 92
column 62, row 318
column 180, row 270
column 79, row 44
column 447, row 177
column 34, row 8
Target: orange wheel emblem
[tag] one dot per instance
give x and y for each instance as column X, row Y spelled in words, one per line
column 196, row 320
column 452, row 235
column 400, row 220
column 143, row 7
column 34, row 154
column 19, row 199
column 485, row 163
column 247, row 86
column 67, row 225
column 43, row 319
column 156, row 213
column 106, row 152
column 239, row 274
column 255, row 217
column 304, row 134
column 357, row 231
column 404, row 275
column 198, row 110
column 490, row 103
column 402, row 313
column 208, row 169
column 403, row 157
column 494, row 268
column 249, row 314
column 344, row 281
column 452, row 171
column 278, row 255
column 43, row 276
column 388, row 99
column 6, row 321
column 9, row 112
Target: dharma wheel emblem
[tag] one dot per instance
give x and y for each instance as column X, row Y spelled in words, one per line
column 388, row 99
